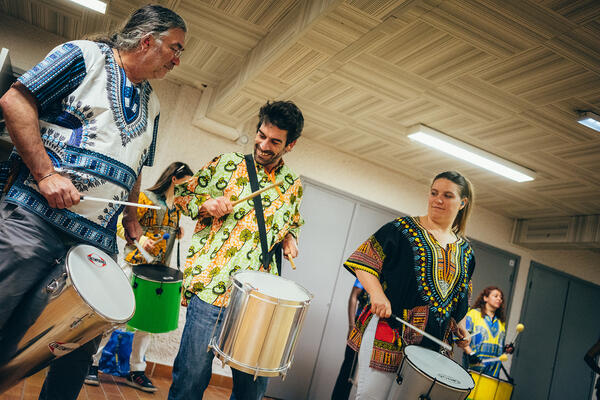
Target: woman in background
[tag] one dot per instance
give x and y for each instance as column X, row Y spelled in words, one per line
column 486, row 325
column 160, row 229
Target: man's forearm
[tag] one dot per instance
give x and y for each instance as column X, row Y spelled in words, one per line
column 134, row 197
column 21, row 116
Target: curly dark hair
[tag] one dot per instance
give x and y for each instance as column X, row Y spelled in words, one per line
column 480, row 302
column 285, row 115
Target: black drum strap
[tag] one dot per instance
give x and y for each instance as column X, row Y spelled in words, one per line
column 260, row 218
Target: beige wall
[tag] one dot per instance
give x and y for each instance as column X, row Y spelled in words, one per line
column 179, row 140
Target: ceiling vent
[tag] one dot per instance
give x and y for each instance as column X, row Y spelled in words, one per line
column 579, row 232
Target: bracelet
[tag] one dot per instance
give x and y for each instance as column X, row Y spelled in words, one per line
column 47, row 176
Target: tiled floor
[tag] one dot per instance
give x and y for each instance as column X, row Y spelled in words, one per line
column 111, row 388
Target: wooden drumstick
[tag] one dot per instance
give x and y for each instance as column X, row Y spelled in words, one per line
column 427, row 335
column 468, row 336
column 502, row 358
column 291, row 260
column 254, row 194
column 126, row 203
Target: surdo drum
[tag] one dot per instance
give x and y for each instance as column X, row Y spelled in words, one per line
column 87, row 294
column 428, row 375
column 490, row 388
column 157, row 290
column 262, row 324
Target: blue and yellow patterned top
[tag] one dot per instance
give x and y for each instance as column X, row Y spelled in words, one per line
column 487, row 342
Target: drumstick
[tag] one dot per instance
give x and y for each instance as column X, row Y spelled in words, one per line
column 126, row 203
column 502, row 358
column 427, row 335
column 235, row 203
column 291, row 260
column 143, row 252
column 520, row 328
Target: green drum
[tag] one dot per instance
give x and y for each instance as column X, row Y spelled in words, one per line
column 157, row 291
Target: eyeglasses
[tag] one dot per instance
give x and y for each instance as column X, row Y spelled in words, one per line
column 177, row 51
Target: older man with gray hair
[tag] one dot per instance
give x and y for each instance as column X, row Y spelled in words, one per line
column 86, row 111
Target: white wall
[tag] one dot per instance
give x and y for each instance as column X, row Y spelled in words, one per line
column 179, row 140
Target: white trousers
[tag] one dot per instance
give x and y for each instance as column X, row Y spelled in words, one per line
column 141, row 341
column 372, row 384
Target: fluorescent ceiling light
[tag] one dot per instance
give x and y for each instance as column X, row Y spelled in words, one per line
column 95, row 5
column 589, row 119
column 466, row 152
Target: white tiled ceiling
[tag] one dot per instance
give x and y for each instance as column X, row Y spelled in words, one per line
column 506, row 76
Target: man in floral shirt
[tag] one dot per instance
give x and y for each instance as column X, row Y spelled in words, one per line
column 226, row 240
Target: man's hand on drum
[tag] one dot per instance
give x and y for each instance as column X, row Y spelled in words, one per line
column 59, row 191
column 217, row 207
column 290, row 246
column 133, row 229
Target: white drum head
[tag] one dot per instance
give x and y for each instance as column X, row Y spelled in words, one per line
column 100, row 282
column 274, row 286
column 440, row 367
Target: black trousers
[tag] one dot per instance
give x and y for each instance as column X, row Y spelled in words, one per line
column 342, row 387
column 67, row 373
column 29, row 247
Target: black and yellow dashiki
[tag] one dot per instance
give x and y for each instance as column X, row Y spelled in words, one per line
column 427, row 285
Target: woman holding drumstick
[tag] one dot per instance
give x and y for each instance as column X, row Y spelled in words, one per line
column 419, row 268
column 160, row 229
column 486, row 325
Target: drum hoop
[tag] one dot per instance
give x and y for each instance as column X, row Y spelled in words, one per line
column 215, row 347
column 106, row 317
column 241, row 286
column 489, row 377
column 435, row 378
column 154, row 280
column 274, row 300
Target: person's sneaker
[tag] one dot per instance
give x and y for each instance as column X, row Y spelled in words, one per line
column 139, row 380
column 92, row 376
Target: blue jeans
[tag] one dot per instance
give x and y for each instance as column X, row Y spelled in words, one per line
column 193, row 365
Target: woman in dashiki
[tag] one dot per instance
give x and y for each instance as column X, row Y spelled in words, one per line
column 486, row 324
column 420, row 269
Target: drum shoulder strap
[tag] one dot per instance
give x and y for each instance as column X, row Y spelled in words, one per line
column 260, row 218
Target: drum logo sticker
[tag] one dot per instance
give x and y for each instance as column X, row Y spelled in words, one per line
column 96, row 260
column 447, row 378
column 60, row 349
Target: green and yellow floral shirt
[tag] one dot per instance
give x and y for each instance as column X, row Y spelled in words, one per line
column 225, row 245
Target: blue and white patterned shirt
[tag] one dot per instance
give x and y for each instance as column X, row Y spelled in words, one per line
column 98, row 128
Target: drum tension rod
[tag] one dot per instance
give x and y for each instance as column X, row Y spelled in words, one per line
column 426, row 395
column 159, row 290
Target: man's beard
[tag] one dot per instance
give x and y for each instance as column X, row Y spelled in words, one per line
column 268, row 158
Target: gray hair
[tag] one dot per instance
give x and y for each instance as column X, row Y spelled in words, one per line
column 151, row 19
